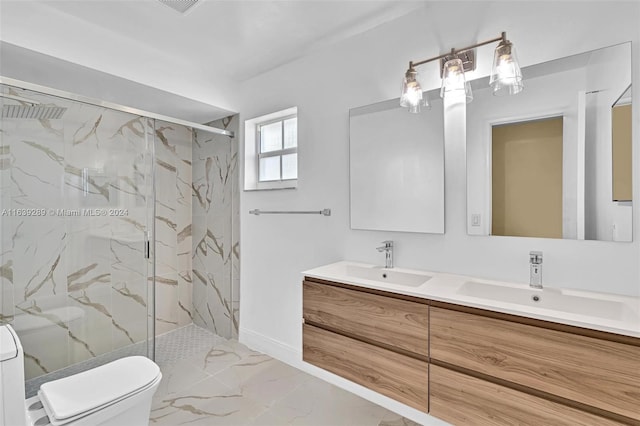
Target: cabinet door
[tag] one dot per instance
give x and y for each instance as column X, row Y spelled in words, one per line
column 400, row 377
column 595, row 372
column 389, row 321
column 464, row 400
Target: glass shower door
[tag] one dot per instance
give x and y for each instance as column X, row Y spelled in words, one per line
column 77, row 209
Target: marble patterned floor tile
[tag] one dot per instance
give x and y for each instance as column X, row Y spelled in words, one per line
column 222, row 356
column 209, row 402
column 272, row 418
column 268, row 418
column 393, row 419
column 263, row 378
column 179, row 376
column 318, row 403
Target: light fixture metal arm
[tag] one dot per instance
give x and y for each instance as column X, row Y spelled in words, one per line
column 453, row 52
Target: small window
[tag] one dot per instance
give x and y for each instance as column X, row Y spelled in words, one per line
column 271, row 151
column 277, row 149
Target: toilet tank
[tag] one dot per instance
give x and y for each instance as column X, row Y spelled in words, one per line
column 8, row 343
column 12, row 398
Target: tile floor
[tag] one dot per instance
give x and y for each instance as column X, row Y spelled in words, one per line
column 212, row 381
column 208, row 380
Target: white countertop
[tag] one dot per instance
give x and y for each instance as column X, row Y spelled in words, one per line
column 596, row 311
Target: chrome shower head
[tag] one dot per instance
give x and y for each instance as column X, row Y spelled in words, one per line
column 38, row 112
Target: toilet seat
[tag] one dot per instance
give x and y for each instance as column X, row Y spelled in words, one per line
column 77, row 396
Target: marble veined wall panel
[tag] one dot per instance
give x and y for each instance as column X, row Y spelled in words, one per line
column 173, row 226
column 215, row 237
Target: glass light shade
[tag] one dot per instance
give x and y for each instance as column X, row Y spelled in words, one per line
column 506, row 77
column 414, row 109
column 411, row 96
column 454, row 82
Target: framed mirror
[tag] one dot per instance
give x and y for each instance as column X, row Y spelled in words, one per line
column 396, row 167
column 554, row 161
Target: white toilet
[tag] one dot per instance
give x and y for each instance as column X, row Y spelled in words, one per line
column 115, row 394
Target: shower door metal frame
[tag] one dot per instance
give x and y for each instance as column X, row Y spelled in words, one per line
column 105, row 104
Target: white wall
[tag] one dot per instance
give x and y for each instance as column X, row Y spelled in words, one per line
column 366, row 69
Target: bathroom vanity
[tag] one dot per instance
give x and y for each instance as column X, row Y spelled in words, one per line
column 434, row 344
column 377, row 340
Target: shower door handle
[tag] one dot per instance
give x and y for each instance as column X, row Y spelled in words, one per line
column 147, row 245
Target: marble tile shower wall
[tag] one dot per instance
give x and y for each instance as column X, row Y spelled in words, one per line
column 173, row 146
column 74, row 279
column 215, row 247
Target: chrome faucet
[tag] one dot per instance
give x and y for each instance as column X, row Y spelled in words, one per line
column 535, row 269
column 387, row 248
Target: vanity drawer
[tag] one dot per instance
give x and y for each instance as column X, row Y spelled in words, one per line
column 592, row 371
column 397, row 376
column 386, row 320
column 464, row 400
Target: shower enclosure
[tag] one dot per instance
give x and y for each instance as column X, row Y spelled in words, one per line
column 76, row 213
column 95, row 228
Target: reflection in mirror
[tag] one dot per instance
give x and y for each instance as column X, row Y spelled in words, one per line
column 524, row 152
column 554, row 161
column 396, row 167
column 621, row 147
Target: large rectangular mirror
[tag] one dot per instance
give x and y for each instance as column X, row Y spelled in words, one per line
column 555, row 160
column 396, row 165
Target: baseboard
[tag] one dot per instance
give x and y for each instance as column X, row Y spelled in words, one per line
column 274, row 348
column 293, row 356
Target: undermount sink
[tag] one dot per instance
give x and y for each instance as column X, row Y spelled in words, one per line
column 553, row 299
column 384, row 275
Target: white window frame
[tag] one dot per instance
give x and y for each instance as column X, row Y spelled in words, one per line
column 280, row 152
column 252, row 152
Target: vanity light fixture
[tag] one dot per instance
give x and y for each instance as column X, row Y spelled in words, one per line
column 506, row 77
column 453, row 80
column 412, row 92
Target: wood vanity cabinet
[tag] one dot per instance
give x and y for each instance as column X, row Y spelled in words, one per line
column 578, row 375
column 461, row 399
column 385, row 319
column 373, row 338
column 471, row 366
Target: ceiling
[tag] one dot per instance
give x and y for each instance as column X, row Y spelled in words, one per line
column 236, row 40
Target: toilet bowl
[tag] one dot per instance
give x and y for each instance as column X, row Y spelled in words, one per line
column 114, row 394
